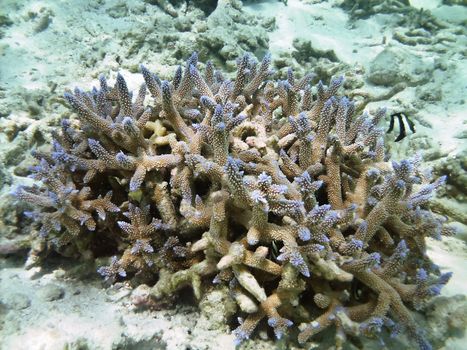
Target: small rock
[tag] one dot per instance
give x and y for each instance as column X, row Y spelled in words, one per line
column 392, row 66
column 201, row 27
column 78, row 344
column 44, row 21
column 140, row 294
column 217, row 306
column 304, row 49
column 5, row 21
column 117, row 292
column 18, row 301
column 183, row 24
column 119, row 10
column 59, row 273
column 51, row 292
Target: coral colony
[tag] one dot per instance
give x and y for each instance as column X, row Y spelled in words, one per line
column 272, row 187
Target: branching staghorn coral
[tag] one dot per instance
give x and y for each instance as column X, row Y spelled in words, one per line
column 274, row 188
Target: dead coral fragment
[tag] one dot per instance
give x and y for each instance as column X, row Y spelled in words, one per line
column 254, row 183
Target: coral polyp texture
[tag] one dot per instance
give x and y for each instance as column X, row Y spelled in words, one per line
column 274, row 188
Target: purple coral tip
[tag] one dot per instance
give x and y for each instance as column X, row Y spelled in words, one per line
column 376, row 257
column 218, row 110
column 400, row 184
column 267, row 57
column 264, row 178
column 304, row 234
column 240, row 336
column 357, row 243
column 422, row 275
column 193, row 70
column 165, row 86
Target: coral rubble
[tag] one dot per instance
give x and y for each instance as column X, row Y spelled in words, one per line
column 273, row 188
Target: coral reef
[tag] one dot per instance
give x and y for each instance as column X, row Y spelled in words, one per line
column 273, row 188
column 364, row 9
column 456, row 169
column 455, row 2
column 218, row 30
column 423, row 24
column 230, row 31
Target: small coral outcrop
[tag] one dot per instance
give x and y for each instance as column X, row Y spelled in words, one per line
column 274, row 188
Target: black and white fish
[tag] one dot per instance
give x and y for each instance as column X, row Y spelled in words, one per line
column 401, row 117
